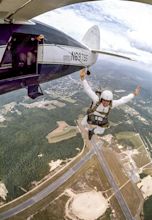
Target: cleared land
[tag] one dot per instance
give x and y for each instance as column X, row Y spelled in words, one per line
column 134, row 141
column 132, row 137
column 129, row 190
column 115, row 167
column 86, row 205
column 63, row 132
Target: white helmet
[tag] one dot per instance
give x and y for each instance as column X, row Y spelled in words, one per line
column 107, row 95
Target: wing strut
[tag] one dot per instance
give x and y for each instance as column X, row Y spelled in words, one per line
column 111, row 54
column 9, row 17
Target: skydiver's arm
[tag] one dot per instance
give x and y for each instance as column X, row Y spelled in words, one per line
column 89, row 91
column 122, row 100
column 87, row 88
column 127, row 98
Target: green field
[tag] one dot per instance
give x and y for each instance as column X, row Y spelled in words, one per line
column 130, row 138
column 148, row 209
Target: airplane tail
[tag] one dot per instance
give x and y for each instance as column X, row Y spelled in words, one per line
column 92, row 38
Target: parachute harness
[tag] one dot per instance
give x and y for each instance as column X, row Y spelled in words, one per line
column 96, row 119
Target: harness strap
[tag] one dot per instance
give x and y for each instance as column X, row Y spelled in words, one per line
column 103, row 113
column 96, row 119
column 93, row 109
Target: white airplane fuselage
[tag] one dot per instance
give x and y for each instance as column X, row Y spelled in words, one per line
column 53, row 54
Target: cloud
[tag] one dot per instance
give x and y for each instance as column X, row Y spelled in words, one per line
column 141, row 40
column 67, row 21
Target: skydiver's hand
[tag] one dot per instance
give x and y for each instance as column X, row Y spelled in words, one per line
column 137, row 91
column 82, row 74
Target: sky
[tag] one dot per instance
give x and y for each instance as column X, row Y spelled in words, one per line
column 125, row 27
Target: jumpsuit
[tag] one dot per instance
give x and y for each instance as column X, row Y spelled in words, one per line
column 115, row 103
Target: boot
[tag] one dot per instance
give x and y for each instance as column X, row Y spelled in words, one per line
column 90, row 133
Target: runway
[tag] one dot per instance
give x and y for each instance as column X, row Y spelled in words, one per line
column 124, row 207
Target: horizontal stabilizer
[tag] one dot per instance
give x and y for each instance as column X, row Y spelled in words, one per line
column 111, row 54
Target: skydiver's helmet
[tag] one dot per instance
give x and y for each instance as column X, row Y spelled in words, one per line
column 106, row 95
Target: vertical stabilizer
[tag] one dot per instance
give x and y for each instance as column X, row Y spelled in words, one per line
column 92, row 38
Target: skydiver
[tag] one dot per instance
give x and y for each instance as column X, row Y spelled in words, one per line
column 98, row 112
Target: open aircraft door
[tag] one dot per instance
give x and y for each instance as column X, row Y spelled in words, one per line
column 20, row 56
column 19, row 64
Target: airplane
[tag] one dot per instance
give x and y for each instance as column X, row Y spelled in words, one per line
column 32, row 53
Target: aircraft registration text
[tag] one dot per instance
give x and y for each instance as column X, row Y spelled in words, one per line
column 77, row 56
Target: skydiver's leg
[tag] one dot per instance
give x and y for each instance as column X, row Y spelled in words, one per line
column 85, row 123
column 99, row 130
column 86, row 126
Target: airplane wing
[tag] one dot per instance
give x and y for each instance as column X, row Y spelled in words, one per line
column 23, row 10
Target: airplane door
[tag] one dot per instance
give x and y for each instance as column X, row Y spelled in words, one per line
column 20, row 56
